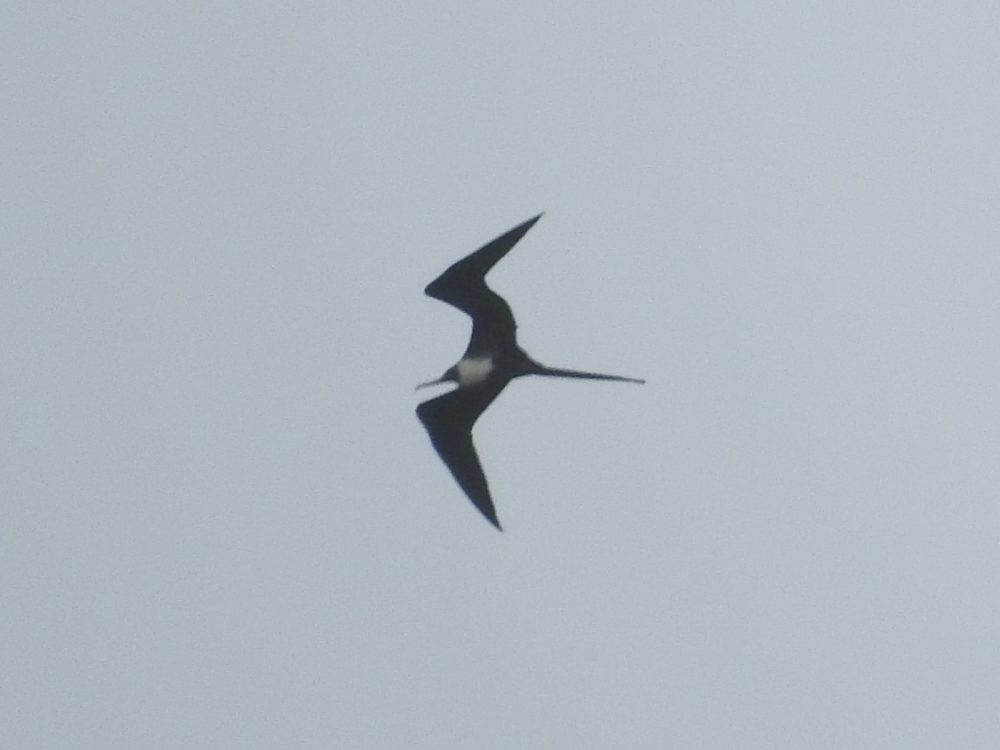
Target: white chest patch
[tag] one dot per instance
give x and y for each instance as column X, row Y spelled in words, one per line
column 474, row 371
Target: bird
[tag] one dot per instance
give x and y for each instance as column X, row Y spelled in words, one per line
column 491, row 360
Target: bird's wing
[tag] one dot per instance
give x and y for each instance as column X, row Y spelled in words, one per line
column 448, row 420
column 463, row 286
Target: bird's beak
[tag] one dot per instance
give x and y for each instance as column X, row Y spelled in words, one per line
column 431, row 382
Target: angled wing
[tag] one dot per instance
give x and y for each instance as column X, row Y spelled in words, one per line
column 463, row 285
column 448, row 420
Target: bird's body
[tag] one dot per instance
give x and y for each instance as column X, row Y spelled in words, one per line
column 473, row 371
column 490, row 362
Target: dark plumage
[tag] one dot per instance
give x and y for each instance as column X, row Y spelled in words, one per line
column 491, row 360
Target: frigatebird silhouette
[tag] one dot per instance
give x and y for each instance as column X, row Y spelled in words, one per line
column 490, row 362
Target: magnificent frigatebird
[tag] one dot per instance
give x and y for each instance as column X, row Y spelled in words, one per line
column 491, row 360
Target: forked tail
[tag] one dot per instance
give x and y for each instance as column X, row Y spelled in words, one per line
column 558, row 372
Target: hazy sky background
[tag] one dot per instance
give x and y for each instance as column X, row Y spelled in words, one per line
column 223, row 526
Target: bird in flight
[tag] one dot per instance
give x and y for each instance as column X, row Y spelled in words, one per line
column 490, row 362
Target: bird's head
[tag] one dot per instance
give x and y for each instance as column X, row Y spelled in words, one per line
column 450, row 376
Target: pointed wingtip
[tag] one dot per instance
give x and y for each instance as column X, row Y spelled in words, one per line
column 489, row 513
column 529, row 223
column 524, row 226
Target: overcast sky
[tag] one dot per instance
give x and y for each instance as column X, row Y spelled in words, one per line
column 223, row 526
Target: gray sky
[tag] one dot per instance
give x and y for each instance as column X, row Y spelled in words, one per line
column 224, row 526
